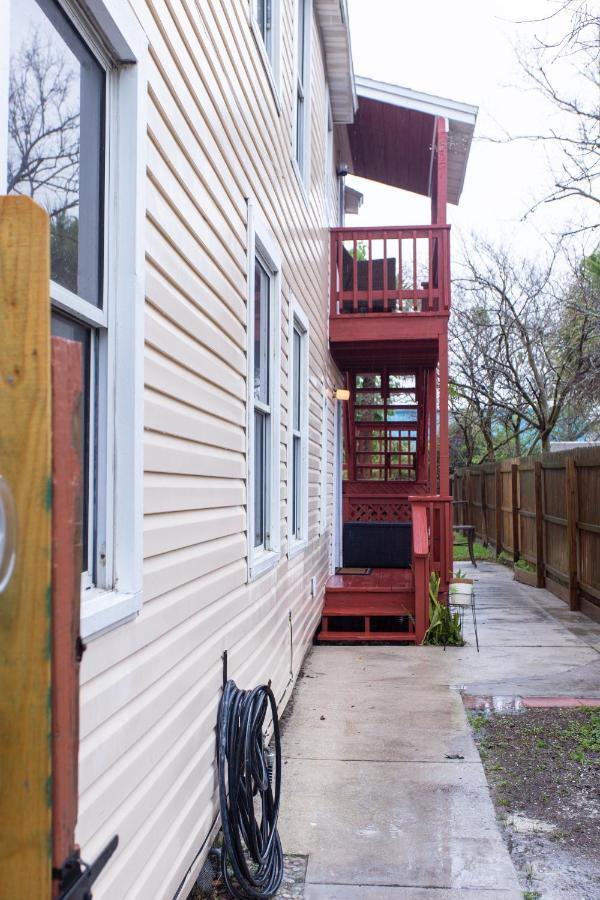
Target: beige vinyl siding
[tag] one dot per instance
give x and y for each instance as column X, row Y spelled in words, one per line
column 151, row 687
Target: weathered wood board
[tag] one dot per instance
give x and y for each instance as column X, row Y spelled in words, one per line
column 25, row 605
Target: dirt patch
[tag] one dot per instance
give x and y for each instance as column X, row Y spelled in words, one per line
column 543, row 768
column 292, row 888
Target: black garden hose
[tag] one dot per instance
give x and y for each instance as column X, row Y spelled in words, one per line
column 252, row 858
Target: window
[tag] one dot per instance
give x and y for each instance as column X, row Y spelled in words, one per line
column 265, row 23
column 324, row 459
column 264, row 20
column 302, row 121
column 263, row 399
column 65, row 89
column 298, row 429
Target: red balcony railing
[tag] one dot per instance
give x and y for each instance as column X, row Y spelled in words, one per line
column 385, row 271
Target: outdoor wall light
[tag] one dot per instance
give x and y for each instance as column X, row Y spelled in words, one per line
column 341, row 394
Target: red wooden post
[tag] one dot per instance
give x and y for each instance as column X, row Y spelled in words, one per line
column 444, row 445
column 421, row 551
column 66, row 590
column 370, row 275
column 432, row 431
column 434, row 213
column 442, row 172
column 430, row 240
column 415, row 284
column 421, row 468
column 385, row 273
column 400, row 274
column 339, row 306
column 354, row 274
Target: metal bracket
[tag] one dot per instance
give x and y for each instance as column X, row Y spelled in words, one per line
column 76, row 877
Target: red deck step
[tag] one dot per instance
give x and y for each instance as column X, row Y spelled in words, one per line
column 362, row 605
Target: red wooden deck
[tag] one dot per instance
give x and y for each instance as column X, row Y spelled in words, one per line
column 375, row 607
column 380, row 580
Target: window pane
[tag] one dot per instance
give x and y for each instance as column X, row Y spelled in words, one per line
column 297, row 379
column 301, row 39
column 300, row 132
column 296, row 487
column 56, row 138
column 261, row 332
column 67, row 328
column 261, row 16
column 260, row 482
column 264, row 11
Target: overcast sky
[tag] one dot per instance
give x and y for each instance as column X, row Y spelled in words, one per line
column 465, row 50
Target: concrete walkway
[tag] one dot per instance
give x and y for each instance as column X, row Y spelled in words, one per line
column 372, row 794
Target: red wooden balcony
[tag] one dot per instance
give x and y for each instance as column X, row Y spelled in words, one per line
column 386, row 280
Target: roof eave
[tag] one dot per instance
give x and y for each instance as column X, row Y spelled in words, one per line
column 334, row 24
column 461, row 118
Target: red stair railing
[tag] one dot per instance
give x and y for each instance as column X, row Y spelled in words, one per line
column 431, row 551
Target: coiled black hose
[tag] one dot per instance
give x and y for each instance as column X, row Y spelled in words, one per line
column 252, row 858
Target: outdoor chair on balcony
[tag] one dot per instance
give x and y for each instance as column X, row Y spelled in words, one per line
column 362, row 284
column 461, row 597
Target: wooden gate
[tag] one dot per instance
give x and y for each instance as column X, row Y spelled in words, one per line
column 40, row 467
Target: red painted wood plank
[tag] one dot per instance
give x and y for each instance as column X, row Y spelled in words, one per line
column 357, row 637
column 66, row 590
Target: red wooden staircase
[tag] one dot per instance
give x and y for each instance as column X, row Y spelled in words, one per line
column 388, row 334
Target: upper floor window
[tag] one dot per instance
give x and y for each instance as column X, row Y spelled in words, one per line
column 298, row 430
column 303, row 60
column 64, row 92
column 265, row 21
column 263, row 402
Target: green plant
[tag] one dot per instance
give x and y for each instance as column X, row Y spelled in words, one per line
column 524, row 566
column 444, row 625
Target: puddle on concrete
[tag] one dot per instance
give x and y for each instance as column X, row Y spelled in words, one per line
column 499, row 704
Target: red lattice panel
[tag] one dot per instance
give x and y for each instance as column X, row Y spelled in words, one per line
column 378, row 512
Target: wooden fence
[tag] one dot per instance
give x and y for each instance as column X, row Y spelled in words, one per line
column 543, row 509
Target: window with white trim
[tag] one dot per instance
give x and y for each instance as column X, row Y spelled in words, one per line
column 298, row 428
column 265, row 18
column 67, row 88
column 324, row 459
column 302, row 97
column 263, row 400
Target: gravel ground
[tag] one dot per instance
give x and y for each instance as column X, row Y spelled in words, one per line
column 292, row 888
column 543, row 768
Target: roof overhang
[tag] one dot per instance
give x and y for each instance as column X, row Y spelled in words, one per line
column 392, row 137
column 332, row 16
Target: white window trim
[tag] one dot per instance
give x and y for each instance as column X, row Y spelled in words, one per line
column 272, row 66
column 298, row 319
column 303, row 172
column 323, row 521
column 261, row 239
column 118, row 596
